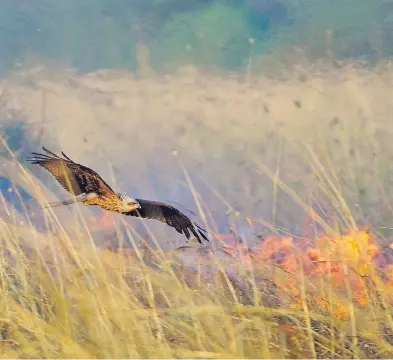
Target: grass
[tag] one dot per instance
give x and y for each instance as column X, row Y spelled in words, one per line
column 64, row 297
column 306, row 161
column 221, row 128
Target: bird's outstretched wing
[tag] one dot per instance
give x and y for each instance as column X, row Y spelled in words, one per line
column 171, row 216
column 75, row 178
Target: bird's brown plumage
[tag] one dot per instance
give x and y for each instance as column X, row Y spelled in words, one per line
column 169, row 215
column 78, row 180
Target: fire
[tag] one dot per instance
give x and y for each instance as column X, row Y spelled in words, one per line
column 348, row 265
column 331, row 273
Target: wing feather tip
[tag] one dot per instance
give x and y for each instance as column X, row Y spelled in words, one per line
column 50, row 152
column 65, row 156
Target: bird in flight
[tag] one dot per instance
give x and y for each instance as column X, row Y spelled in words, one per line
column 89, row 188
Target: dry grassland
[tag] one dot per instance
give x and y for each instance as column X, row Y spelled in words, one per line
column 306, row 155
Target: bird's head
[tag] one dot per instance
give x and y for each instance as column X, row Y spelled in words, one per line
column 128, row 203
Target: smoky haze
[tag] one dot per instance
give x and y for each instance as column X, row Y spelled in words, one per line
column 135, row 89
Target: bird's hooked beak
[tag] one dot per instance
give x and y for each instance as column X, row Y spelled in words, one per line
column 133, row 205
column 129, row 203
column 137, row 205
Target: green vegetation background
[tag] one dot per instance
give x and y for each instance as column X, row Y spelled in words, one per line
column 92, row 34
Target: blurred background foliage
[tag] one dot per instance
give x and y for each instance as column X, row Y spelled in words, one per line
column 92, row 34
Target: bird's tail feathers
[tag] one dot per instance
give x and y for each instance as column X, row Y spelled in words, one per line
column 64, row 202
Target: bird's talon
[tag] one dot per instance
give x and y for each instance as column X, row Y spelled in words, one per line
column 94, row 191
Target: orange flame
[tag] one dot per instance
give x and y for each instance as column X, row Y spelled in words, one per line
column 350, row 263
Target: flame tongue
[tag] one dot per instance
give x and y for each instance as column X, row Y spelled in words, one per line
column 344, row 261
